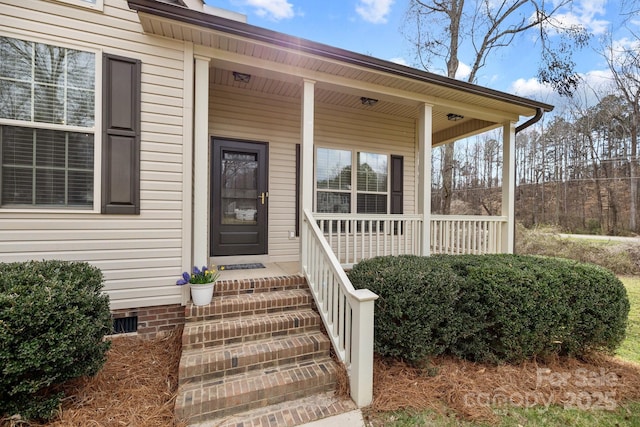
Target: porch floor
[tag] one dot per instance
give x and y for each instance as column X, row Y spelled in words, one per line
column 273, row 269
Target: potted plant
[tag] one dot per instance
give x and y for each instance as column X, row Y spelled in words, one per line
column 201, row 282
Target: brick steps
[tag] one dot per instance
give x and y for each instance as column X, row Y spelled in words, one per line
column 290, row 413
column 244, row 357
column 256, row 347
column 230, row 306
column 238, row 393
column 248, row 328
column 267, row 284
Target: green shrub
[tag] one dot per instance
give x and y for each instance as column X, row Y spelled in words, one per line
column 53, row 317
column 494, row 308
column 525, row 306
column 414, row 314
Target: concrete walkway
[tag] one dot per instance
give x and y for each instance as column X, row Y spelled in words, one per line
column 620, row 239
column 348, row 419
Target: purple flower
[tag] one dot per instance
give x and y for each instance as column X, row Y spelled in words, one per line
column 181, row 282
column 186, row 277
column 196, row 271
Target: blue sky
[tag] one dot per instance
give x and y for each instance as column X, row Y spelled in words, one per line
column 374, row 27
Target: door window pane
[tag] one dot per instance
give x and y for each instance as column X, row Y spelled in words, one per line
column 239, row 188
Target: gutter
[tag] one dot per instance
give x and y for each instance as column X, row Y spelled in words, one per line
column 216, row 23
column 533, row 120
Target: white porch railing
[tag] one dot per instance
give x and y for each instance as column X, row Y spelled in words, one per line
column 464, row 234
column 332, row 242
column 347, row 313
column 354, row 237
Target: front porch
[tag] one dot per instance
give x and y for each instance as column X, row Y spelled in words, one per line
column 334, row 149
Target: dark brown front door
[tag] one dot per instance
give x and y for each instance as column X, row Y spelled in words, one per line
column 239, row 198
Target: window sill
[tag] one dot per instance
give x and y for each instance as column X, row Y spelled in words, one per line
column 48, row 211
column 98, row 6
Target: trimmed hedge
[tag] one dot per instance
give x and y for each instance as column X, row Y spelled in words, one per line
column 53, row 317
column 492, row 308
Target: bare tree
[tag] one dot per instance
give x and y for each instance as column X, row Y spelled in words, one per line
column 441, row 26
column 624, row 63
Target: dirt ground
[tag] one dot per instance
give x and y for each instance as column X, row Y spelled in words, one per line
column 137, row 386
column 471, row 389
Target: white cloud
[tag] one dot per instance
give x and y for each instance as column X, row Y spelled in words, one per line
column 273, row 9
column 598, row 80
column 531, row 88
column 593, row 84
column 463, row 71
column 623, row 45
column 584, row 13
column 400, row 61
column 374, row 11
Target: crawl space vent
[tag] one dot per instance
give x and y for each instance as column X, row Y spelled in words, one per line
column 125, row 325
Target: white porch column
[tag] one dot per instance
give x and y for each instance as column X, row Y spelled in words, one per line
column 201, row 162
column 306, row 162
column 425, row 130
column 508, row 186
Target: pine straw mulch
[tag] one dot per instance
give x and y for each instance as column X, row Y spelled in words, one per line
column 136, row 387
column 472, row 389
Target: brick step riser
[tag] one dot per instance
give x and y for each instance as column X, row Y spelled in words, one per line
column 271, row 400
column 233, row 363
column 198, row 337
column 220, row 309
column 248, row 396
column 267, row 284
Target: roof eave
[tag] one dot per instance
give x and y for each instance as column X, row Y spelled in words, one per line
column 252, row 32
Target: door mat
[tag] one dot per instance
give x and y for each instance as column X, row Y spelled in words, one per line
column 241, row 266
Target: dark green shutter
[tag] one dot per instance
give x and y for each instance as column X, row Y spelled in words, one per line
column 298, row 177
column 397, row 184
column 121, row 135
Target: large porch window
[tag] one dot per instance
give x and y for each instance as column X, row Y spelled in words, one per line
column 338, row 190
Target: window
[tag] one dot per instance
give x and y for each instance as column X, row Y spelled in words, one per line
column 335, row 186
column 333, row 181
column 97, row 5
column 47, row 125
column 372, row 183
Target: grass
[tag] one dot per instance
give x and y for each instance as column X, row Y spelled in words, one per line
column 627, row 415
column 621, row 258
column 630, row 348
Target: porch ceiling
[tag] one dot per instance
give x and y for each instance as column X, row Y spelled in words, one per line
column 442, row 127
column 278, row 63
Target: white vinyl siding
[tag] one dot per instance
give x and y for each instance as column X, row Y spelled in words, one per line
column 240, row 114
column 140, row 255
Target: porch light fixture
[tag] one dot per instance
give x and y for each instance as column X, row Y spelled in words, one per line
column 368, row 101
column 454, row 117
column 241, row 77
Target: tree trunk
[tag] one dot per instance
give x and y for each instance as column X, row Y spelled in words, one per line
column 447, row 179
column 633, row 171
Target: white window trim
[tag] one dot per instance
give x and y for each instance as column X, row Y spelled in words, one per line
column 98, row 6
column 96, row 129
column 354, row 177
